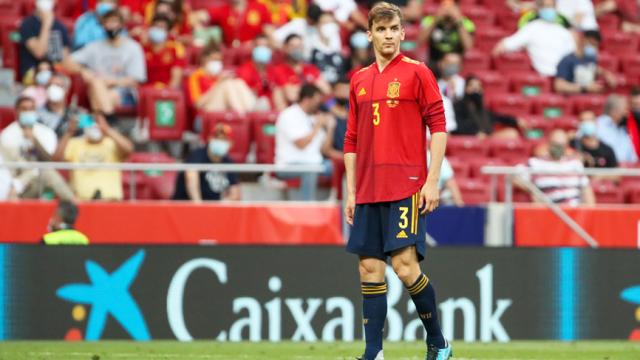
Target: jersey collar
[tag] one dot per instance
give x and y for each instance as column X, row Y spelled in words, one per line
column 394, row 61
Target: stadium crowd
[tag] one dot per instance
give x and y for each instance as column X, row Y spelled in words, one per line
column 551, row 84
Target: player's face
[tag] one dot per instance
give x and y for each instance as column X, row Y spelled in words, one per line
column 386, row 35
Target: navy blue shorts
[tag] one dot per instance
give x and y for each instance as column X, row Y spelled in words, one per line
column 381, row 228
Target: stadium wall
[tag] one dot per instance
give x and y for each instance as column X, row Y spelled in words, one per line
column 309, row 293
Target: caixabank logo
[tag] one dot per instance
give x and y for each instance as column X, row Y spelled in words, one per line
column 632, row 295
column 108, row 298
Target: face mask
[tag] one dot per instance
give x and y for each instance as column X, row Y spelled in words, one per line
column 218, row 147
column 157, row 35
column 28, row 118
column 214, row 67
column 476, row 98
column 261, row 54
column 93, row 133
column 556, row 151
column 359, row 40
column 450, row 70
column 113, row 33
column 55, row 93
column 547, row 14
column 103, row 8
column 43, row 77
column 296, row 55
column 342, row 101
column 329, row 30
column 590, row 51
column 44, row 5
column 587, row 128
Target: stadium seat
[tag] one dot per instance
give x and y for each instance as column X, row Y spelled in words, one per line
column 475, row 61
column 506, row 19
column 474, row 191
column 609, row 24
column 487, row 39
column 551, row 106
column 608, row 61
column 508, row 149
column 240, row 128
column 477, row 162
column 166, row 111
column 634, row 196
column 631, row 66
column 461, row 146
column 482, row 17
column 149, row 185
column 10, row 44
column 493, row 82
column 593, row 103
column 620, row 43
column 264, row 131
column 539, row 126
column 7, row 116
column 607, row 192
column 566, row 123
column 512, row 62
column 510, row 104
column 529, row 83
column 460, row 166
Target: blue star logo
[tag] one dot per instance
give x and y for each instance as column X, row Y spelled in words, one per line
column 109, row 294
column 631, row 294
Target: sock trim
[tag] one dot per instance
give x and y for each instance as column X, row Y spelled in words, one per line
column 374, row 288
column 419, row 285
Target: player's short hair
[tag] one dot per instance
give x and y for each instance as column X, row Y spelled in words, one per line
column 384, row 11
column 68, row 212
column 308, row 91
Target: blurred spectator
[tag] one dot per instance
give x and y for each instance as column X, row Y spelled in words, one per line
column 241, row 20
column 112, row 68
column 42, row 37
column 547, row 10
column 88, row 27
column 42, row 75
column 580, row 13
column 545, row 41
column 55, row 114
column 343, row 11
column 61, row 227
column 177, row 11
column 361, row 53
column 577, row 72
column 594, row 153
column 300, row 134
column 612, row 129
column 450, row 82
column 627, row 10
column 449, row 191
column 260, row 76
column 165, row 58
column 6, row 180
column 211, row 88
column 333, row 146
column 446, row 31
column 283, row 10
column 99, row 143
column 295, row 72
column 209, row 185
column 571, row 189
column 634, row 119
column 473, row 118
column 27, row 140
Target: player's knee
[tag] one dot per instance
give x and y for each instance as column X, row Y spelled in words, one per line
column 403, row 270
column 370, row 271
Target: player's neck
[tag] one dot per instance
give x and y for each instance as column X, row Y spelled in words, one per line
column 383, row 61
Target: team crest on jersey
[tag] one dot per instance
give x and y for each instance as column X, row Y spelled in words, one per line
column 393, row 90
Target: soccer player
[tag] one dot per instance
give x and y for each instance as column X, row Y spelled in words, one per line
column 389, row 191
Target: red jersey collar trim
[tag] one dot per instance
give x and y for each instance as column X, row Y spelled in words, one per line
column 394, row 61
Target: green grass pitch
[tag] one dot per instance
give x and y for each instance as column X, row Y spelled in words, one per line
column 154, row 350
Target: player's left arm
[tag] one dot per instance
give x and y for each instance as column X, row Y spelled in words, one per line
column 430, row 100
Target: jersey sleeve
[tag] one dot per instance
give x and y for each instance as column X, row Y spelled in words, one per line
column 351, row 136
column 430, row 100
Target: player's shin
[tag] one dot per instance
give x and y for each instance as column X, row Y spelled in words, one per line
column 424, row 297
column 374, row 313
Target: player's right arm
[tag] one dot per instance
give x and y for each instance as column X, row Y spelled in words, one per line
column 350, row 141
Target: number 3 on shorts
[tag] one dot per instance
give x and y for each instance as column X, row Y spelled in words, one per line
column 404, row 221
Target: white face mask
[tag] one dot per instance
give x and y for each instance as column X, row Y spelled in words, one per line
column 55, row 93
column 329, row 30
column 93, row 133
column 214, row 67
column 44, row 5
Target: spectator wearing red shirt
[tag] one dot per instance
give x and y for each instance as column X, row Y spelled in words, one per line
column 260, row 76
column 240, row 20
column 294, row 72
column 166, row 58
column 211, row 88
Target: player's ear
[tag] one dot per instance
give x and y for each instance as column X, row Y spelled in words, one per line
column 401, row 32
column 369, row 35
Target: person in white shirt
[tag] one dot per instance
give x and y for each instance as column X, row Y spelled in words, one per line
column 450, row 82
column 300, row 134
column 27, row 140
column 580, row 13
column 546, row 41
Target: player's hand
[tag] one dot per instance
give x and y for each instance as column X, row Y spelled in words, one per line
column 350, row 208
column 429, row 197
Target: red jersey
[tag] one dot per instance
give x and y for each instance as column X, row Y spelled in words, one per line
column 199, row 82
column 388, row 112
column 159, row 64
column 242, row 26
column 261, row 84
column 287, row 75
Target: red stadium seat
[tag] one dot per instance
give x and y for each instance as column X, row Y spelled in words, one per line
column 631, row 66
column 539, row 126
column 620, row 43
column 240, row 132
column 487, row 39
column 461, row 146
column 264, row 131
column 482, row 17
column 512, row 62
column 476, row 163
column 609, row 24
column 474, row 191
column 166, row 111
column 593, row 103
column 10, row 43
column 607, row 192
column 634, row 196
column 608, row 61
column 510, row 104
column 493, row 82
column 551, row 106
column 460, row 166
column 7, row 116
column 149, row 185
column 476, row 61
column 507, row 19
column 565, row 123
column 509, row 149
column 529, row 83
